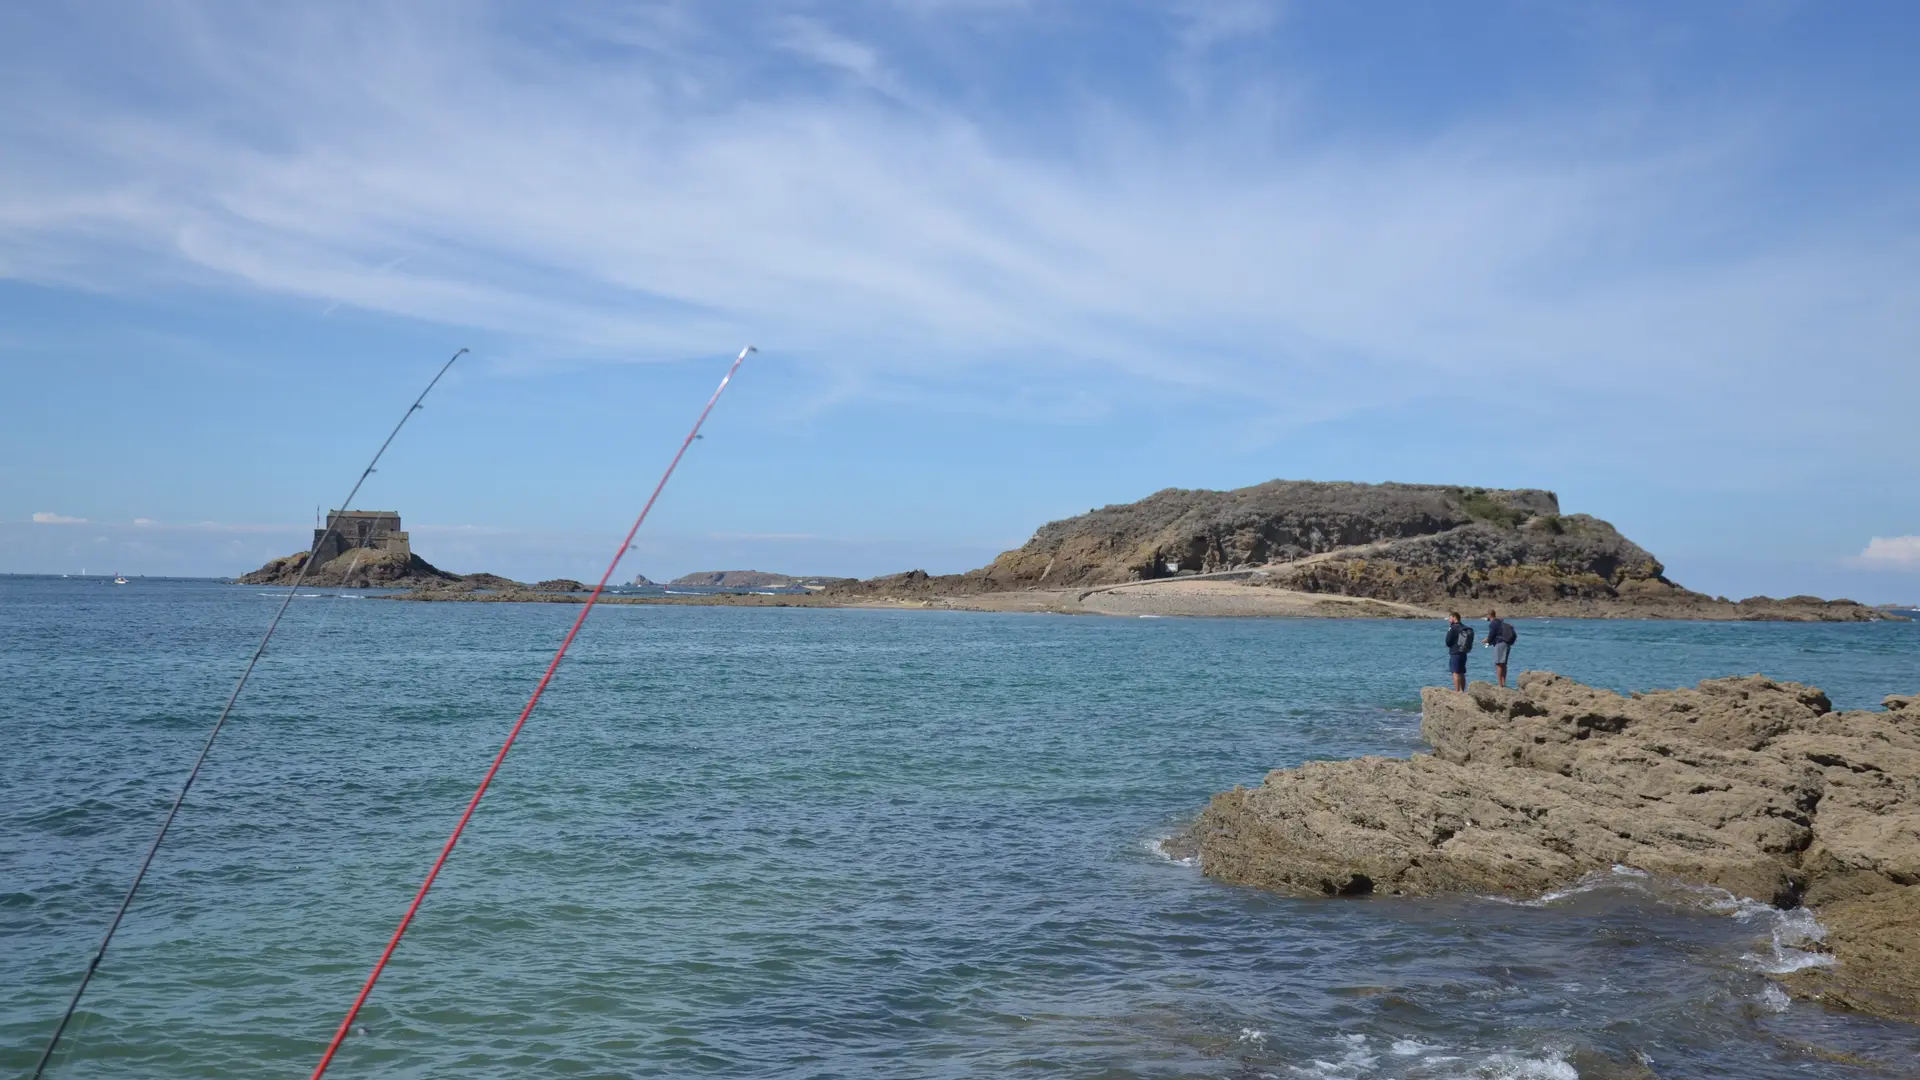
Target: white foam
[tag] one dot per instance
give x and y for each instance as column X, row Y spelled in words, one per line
column 1788, row 961
column 1774, row 999
column 1360, row 1062
column 1797, row 938
column 1356, row 1063
column 1796, row 934
column 1514, row 1067
column 1157, row 846
column 1254, row 1036
column 1616, row 877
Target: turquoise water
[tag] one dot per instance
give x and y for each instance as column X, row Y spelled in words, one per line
column 813, row 843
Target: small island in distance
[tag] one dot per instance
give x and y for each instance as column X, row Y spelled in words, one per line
column 1282, row 548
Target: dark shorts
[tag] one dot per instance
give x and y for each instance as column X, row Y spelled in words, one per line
column 1457, row 663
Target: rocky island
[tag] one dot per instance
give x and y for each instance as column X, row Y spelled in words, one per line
column 1290, row 547
column 1748, row 785
column 354, row 549
column 735, row 579
column 753, row 579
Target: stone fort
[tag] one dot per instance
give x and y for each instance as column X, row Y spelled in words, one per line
column 376, row 530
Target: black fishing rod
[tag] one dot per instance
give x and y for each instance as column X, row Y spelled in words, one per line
column 194, row 773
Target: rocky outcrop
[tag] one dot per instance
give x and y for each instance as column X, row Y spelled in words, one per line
column 1426, row 545
column 1179, row 531
column 1747, row 784
column 1551, row 557
column 561, row 585
column 358, row 568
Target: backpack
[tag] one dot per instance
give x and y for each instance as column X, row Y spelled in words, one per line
column 1460, row 639
column 1508, row 635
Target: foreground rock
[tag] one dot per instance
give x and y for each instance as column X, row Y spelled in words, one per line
column 1746, row 784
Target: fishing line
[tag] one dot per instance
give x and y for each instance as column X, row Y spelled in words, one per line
column 194, row 773
column 346, row 1024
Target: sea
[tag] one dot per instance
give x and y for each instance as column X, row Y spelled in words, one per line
column 764, row 842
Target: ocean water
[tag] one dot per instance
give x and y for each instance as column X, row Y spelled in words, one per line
column 815, row 843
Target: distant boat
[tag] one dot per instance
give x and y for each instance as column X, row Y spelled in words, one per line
column 118, row 580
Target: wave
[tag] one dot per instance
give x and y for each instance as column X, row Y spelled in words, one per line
column 1157, row 847
column 1615, row 877
column 1797, row 938
column 1359, row 1059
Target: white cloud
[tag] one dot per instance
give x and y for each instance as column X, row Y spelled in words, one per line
column 1211, row 22
column 767, row 536
column 1891, row 552
column 428, row 165
column 45, row 518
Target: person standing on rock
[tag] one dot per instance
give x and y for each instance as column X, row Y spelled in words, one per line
column 1500, row 638
column 1459, row 647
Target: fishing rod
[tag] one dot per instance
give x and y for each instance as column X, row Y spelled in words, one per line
column 346, row 1023
column 194, row 773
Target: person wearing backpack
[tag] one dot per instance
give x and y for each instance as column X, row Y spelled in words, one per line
column 1500, row 638
column 1459, row 647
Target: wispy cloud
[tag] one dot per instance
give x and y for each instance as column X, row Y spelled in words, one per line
column 766, row 536
column 146, row 524
column 605, row 185
column 1890, row 553
column 1211, row 22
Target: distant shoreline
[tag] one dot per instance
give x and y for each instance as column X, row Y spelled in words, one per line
column 1188, row 598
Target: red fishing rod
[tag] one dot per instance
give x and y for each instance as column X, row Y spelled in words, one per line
column 346, row 1024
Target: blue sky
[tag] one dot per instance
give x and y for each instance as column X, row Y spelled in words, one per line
column 1004, row 262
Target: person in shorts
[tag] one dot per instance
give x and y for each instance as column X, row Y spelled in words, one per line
column 1459, row 647
column 1500, row 638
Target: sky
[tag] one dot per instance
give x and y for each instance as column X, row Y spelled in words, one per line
column 1004, row 262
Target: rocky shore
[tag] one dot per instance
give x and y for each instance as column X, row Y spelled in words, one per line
column 1748, row 785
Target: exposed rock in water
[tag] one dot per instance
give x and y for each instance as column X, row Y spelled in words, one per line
column 358, row 568
column 365, row 568
column 562, row 585
column 1747, row 784
column 736, row 579
column 486, row 581
column 639, row 580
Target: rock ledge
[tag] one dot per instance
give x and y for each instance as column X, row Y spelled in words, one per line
column 1747, row 784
